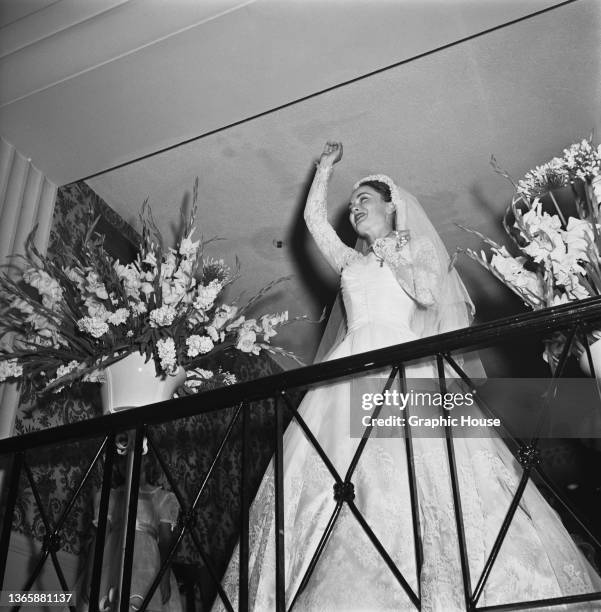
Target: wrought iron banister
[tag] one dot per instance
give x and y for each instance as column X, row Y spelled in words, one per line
column 476, row 336
column 577, row 317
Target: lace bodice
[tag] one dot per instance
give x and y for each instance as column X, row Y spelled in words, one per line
column 372, row 295
column 415, row 265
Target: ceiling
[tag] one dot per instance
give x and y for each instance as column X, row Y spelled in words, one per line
column 85, row 87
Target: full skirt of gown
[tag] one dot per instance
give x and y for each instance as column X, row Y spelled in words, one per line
column 537, row 560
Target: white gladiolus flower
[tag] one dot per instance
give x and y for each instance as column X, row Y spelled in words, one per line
column 574, row 289
column 21, row 305
column 163, row 316
column 196, row 318
column 167, row 355
column 246, row 342
column 168, row 265
column 184, row 271
column 223, row 315
column 199, row 345
column 96, row 310
column 188, row 248
column 541, row 250
column 513, row 271
column 212, row 333
column 251, row 325
column 146, row 288
column 579, row 237
column 75, row 275
column 129, row 275
column 268, row 322
column 93, row 326
column 40, row 323
column 150, row 259
column 10, row 368
column 48, row 288
column 507, row 267
column 537, row 221
column 568, row 264
column 96, row 286
column 173, row 293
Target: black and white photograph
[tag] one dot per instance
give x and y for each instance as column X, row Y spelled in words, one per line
column 300, row 305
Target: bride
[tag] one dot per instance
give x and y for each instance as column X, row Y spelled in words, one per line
column 399, row 289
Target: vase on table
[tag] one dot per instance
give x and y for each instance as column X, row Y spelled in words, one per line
column 133, row 381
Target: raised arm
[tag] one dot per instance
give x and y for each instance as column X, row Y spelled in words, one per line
column 337, row 254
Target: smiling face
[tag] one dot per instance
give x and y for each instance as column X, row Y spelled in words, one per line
column 370, row 215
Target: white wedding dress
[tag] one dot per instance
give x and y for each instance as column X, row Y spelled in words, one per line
column 537, row 560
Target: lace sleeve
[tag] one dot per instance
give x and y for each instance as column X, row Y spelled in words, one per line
column 427, row 274
column 337, row 254
column 416, row 268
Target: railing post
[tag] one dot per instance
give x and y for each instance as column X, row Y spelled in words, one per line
column 244, row 512
column 465, row 568
column 131, row 490
column 417, row 541
column 103, row 508
column 280, row 583
column 7, row 521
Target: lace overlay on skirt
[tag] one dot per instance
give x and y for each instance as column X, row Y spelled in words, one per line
column 538, row 558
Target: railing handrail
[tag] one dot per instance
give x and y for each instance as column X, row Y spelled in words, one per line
column 469, row 338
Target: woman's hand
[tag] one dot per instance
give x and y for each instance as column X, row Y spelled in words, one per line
column 332, row 154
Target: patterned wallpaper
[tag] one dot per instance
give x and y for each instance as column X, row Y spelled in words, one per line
column 187, row 447
column 57, row 471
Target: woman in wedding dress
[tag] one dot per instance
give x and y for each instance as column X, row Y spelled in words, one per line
column 399, row 290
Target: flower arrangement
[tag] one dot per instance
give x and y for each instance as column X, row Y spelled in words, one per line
column 556, row 260
column 66, row 318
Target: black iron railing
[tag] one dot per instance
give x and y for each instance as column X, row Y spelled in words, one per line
column 575, row 318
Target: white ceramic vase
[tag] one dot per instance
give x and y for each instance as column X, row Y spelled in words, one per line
column 131, row 382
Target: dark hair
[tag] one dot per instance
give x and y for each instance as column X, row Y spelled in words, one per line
column 150, row 467
column 382, row 188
